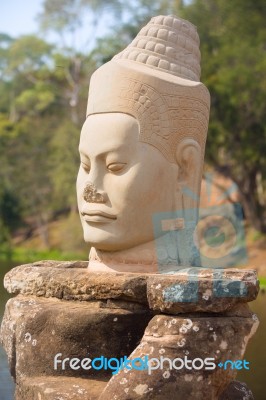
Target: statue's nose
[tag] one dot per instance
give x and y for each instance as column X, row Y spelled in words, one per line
column 91, row 195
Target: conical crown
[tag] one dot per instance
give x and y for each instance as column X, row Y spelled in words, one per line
column 168, row 44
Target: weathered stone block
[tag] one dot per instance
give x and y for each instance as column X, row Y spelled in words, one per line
column 34, row 330
column 201, row 290
column 189, row 290
column 64, row 281
column 60, row 307
column 182, row 339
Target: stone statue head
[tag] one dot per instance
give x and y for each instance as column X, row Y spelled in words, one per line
column 142, row 144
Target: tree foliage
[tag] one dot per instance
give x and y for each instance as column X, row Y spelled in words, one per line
column 35, row 105
column 233, row 37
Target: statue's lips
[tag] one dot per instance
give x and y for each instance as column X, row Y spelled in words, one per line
column 97, row 216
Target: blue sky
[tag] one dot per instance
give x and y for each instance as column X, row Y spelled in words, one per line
column 18, row 16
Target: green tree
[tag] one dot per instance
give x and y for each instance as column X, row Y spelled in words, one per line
column 10, row 207
column 233, row 47
column 26, row 124
column 69, row 19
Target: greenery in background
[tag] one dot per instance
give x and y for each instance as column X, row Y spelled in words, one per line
column 262, row 283
column 233, row 36
column 26, row 255
column 43, row 95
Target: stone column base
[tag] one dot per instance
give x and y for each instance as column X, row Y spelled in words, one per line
column 196, row 323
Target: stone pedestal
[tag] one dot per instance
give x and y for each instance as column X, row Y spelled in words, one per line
column 196, row 323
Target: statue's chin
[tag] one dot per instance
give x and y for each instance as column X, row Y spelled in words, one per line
column 116, row 246
column 115, row 242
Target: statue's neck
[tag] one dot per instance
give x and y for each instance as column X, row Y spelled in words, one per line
column 165, row 255
column 139, row 259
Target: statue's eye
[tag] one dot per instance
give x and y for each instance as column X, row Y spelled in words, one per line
column 86, row 167
column 115, row 167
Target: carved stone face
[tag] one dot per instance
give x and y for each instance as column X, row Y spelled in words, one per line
column 121, row 183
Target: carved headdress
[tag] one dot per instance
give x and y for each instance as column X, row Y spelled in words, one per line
column 156, row 79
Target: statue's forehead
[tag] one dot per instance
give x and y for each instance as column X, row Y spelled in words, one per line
column 102, row 133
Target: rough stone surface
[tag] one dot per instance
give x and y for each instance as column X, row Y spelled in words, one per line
column 60, row 264
column 201, row 290
column 57, row 388
column 189, row 290
column 51, row 388
column 237, row 391
column 173, row 337
column 34, row 330
column 71, row 283
column 60, row 307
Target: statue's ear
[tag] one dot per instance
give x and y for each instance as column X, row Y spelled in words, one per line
column 189, row 160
